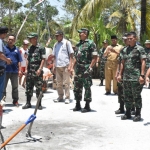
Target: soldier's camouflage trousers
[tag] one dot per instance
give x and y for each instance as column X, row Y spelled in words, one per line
column 82, row 80
column 120, row 92
column 102, row 71
column 132, row 94
column 32, row 81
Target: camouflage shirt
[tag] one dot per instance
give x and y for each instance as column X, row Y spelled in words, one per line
column 132, row 66
column 147, row 50
column 35, row 56
column 101, row 53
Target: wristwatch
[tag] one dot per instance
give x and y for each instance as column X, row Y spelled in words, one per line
column 143, row 76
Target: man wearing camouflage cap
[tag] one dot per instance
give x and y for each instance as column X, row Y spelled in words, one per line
column 85, row 58
column 34, row 69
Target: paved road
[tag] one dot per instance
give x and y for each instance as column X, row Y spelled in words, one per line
column 63, row 129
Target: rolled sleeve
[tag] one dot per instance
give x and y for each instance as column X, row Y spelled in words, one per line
column 70, row 49
column 142, row 53
column 94, row 49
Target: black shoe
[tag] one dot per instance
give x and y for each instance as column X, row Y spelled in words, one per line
column 101, row 84
column 86, row 108
column 16, row 103
column 26, row 106
column 77, row 107
column 124, row 117
column 119, row 111
column 137, row 118
column 40, row 107
column 107, row 93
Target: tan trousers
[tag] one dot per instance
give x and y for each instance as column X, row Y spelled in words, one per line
column 63, row 78
column 110, row 72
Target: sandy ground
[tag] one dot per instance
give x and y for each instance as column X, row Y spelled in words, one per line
column 63, row 129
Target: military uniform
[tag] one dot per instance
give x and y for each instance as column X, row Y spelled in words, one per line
column 102, row 63
column 132, row 69
column 35, row 56
column 83, row 77
column 110, row 69
column 34, row 60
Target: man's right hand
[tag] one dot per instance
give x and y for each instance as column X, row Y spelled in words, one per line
column 8, row 61
column 119, row 78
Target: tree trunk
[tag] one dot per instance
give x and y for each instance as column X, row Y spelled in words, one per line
column 143, row 18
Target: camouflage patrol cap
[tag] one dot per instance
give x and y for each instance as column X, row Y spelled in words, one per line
column 3, row 30
column 32, row 35
column 83, row 30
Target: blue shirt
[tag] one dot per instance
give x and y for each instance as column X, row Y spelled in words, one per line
column 15, row 57
column 2, row 63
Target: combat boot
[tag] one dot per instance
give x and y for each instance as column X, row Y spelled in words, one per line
column 28, row 104
column 86, row 108
column 137, row 116
column 127, row 115
column 77, row 107
column 101, row 84
column 121, row 109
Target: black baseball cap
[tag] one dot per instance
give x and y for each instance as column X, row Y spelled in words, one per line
column 59, row 32
column 3, row 30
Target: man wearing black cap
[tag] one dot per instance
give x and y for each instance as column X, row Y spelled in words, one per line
column 63, row 58
column 3, row 61
column 34, row 70
column 102, row 60
column 85, row 58
column 111, row 53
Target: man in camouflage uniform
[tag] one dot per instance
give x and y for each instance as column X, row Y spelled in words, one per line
column 132, row 69
column 85, row 58
column 102, row 60
column 120, row 83
column 147, row 50
column 35, row 62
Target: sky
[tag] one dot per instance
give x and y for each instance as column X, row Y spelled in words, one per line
column 56, row 3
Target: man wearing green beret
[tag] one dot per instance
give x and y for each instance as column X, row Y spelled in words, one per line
column 34, row 69
column 85, row 58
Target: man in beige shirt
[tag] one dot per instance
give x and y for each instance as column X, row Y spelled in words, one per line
column 111, row 52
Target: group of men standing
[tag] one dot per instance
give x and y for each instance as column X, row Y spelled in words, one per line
column 127, row 67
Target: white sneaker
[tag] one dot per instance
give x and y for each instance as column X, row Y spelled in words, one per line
column 58, row 100
column 67, row 101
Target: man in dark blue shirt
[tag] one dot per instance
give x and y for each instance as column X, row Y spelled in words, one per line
column 14, row 69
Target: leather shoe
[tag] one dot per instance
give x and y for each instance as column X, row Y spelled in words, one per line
column 107, row 93
column 137, row 118
column 124, row 117
column 119, row 111
column 26, row 106
column 40, row 107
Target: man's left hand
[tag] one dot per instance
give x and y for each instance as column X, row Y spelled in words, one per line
column 141, row 80
column 38, row 72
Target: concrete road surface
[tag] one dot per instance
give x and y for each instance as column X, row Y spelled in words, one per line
column 63, row 129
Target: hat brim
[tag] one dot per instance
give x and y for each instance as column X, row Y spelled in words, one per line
column 147, row 42
column 30, row 37
column 124, row 37
column 80, row 31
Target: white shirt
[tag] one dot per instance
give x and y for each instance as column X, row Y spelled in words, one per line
column 61, row 51
column 24, row 54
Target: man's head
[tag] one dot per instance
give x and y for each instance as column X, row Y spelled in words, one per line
column 11, row 40
column 114, row 40
column 124, row 38
column 59, row 35
column 83, row 33
column 105, row 43
column 33, row 38
column 25, row 44
column 3, row 32
column 147, row 43
column 132, row 38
